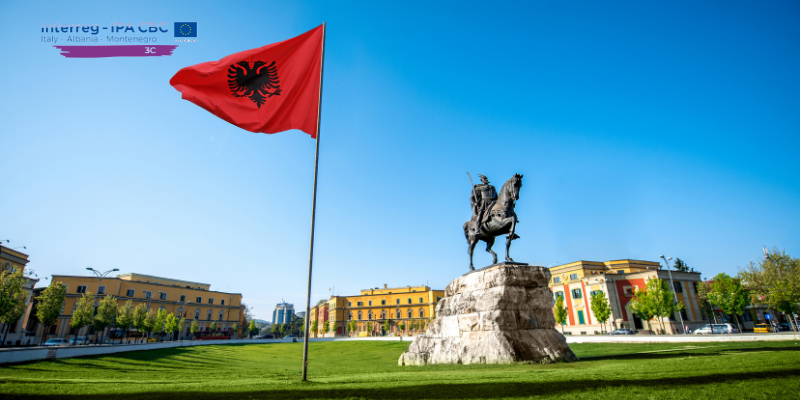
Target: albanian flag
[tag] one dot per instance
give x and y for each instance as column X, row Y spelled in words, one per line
column 269, row 89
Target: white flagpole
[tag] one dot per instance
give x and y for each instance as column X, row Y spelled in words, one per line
column 313, row 212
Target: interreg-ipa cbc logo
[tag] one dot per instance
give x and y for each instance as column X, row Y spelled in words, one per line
column 186, row 29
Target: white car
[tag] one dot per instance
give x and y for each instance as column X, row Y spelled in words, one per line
column 716, row 329
column 56, row 342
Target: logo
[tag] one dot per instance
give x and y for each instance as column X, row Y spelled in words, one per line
column 254, row 83
column 186, row 29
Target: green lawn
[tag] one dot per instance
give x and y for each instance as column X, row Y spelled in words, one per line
column 364, row 369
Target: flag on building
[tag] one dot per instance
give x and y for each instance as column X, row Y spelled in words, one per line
column 269, row 89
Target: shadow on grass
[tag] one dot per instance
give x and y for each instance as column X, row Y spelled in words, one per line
column 688, row 353
column 440, row 391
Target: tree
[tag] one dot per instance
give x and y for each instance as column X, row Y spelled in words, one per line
column 655, row 301
column 182, row 325
column 235, row 328
column 170, row 324
column 561, row 312
column 600, row 307
column 774, row 281
column 729, row 295
column 84, row 312
column 151, row 323
column 326, row 327
column 274, row 329
column 703, row 289
column 125, row 317
column 161, row 318
column 313, row 327
column 333, row 328
column 680, row 265
column 352, row 326
column 214, row 326
column 106, row 315
column 140, row 319
column 12, row 298
column 386, row 327
column 252, row 328
column 370, row 327
column 194, row 327
column 402, row 326
column 51, row 300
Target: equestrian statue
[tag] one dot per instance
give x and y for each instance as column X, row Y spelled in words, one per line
column 492, row 215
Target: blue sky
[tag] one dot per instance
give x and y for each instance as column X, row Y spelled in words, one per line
column 641, row 129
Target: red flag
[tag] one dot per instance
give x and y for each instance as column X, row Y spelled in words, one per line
column 269, row 89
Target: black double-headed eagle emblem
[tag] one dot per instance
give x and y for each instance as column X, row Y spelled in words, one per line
column 254, row 83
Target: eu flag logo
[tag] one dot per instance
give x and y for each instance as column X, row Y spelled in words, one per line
column 186, row 29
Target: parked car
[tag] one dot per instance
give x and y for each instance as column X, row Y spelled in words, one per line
column 784, row 326
column 291, row 337
column 622, row 332
column 761, row 328
column 79, row 340
column 716, row 329
column 56, row 342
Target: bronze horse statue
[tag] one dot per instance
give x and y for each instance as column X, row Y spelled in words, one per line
column 501, row 219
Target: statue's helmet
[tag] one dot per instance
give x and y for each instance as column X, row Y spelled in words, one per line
column 484, row 179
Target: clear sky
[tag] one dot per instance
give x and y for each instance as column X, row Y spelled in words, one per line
column 641, row 128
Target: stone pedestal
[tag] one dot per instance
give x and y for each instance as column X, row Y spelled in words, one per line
column 497, row 315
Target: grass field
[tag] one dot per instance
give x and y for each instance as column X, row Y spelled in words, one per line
column 366, row 369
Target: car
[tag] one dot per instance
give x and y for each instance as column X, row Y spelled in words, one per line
column 56, row 342
column 291, row 337
column 622, row 332
column 79, row 340
column 716, row 329
column 761, row 328
column 784, row 326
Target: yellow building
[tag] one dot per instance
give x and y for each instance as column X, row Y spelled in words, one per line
column 408, row 305
column 13, row 260
column 618, row 279
column 188, row 299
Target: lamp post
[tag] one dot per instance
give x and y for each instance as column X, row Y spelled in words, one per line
column 674, row 295
column 100, row 277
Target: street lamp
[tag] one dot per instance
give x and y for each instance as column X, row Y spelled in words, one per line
column 674, row 295
column 100, row 277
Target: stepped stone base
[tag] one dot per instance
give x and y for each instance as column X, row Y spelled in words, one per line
column 497, row 315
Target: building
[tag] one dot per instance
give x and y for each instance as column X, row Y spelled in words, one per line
column 406, row 305
column 283, row 313
column 619, row 279
column 189, row 299
column 12, row 260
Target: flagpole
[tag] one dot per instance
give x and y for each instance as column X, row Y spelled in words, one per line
column 313, row 212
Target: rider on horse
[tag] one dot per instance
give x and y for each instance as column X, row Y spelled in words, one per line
column 482, row 198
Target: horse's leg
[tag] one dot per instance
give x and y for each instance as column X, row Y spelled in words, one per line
column 472, row 242
column 489, row 244
column 511, row 236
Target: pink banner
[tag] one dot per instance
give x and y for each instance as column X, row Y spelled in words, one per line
column 116, row 51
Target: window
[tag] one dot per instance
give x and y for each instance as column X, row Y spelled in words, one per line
column 399, row 314
column 147, row 294
column 163, row 296
column 349, row 304
column 678, row 287
column 130, row 293
column 221, row 315
column 573, row 276
column 420, row 299
column 359, row 315
column 410, row 313
column 557, row 279
column 383, row 302
column 369, row 316
column 438, row 298
column 559, row 294
column 180, row 312
column 199, row 300
column 628, row 290
column 349, row 316
column 398, row 301
column 421, row 313
column 196, row 313
column 409, row 301
column 622, row 271
column 576, row 294
column 208, row 315
column 360, row 303
column 81, row 289
column 101, row 290
column 183, row 297
column 211, row 300
column 595, row 292
column 370, row 302
column 222, row 302
column 383, row 314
